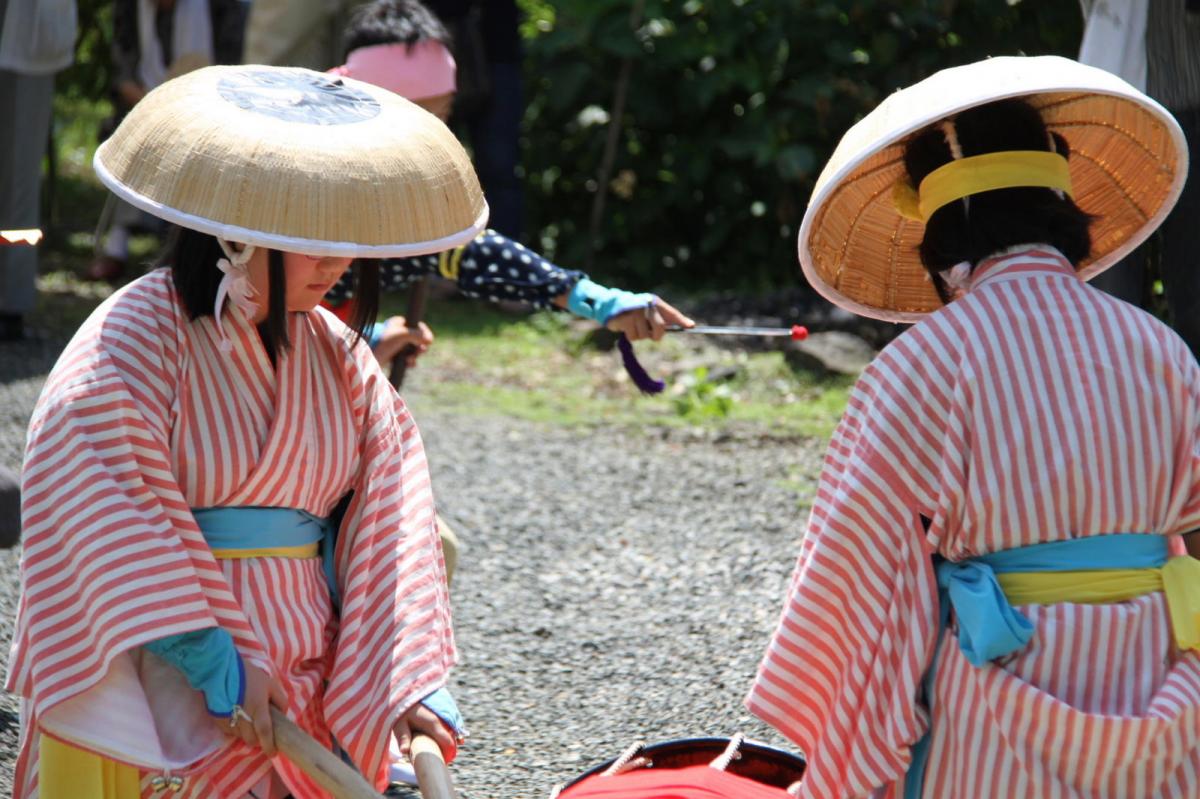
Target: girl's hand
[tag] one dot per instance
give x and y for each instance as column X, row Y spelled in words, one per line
column 649, row 322
column 253, row 724
column 420, row 719
column 397, row 335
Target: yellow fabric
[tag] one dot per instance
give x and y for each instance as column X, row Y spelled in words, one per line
column 448, row 262
column 455, row 260
column 1181, row 582
column 303, row 551
column 979, row 173
column 67, row 772
column 1179, row 579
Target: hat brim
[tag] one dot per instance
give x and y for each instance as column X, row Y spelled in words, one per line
column 295, row 160
column 297, row 244
column 1128, row 163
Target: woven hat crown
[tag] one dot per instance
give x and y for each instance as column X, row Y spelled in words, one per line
column 1128, row 161
column 296, row 160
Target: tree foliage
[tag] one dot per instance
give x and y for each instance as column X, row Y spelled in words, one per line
column 90, row 77
column 732, row 109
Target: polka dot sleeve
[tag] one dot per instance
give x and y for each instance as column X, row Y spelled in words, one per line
column 492, row 267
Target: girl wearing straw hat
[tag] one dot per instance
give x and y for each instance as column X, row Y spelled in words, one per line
column 992, row 598
column 226, row 505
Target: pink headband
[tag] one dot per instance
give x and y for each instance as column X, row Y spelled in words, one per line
column 424, row 70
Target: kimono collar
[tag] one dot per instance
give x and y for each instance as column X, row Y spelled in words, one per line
column 1021, row 259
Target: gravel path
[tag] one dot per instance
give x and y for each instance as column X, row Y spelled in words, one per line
column 611, row 586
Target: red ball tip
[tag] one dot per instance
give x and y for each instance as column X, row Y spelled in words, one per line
column 799, row 332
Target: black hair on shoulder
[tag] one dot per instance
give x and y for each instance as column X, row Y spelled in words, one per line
column 393, row 22
column 1003, row 217
column 192, row 257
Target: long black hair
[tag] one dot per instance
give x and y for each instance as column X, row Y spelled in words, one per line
column 1003, row 217
column 192, row 257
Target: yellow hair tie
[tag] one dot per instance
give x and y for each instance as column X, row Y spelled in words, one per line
column 979, row 173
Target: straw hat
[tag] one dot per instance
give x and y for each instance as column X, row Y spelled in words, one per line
column 295, row 160
column 1128, row 162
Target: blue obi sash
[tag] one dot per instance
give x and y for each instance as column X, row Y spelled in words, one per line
column 255, row 532
column 1098, row 569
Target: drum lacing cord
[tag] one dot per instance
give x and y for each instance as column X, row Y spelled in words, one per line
column 627, row 761
column 730, row 754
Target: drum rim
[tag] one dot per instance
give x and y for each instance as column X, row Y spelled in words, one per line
column 719, row 745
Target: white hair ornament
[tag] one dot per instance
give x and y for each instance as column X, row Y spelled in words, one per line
column 235, row 285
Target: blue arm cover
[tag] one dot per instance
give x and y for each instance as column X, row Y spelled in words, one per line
column 211, row 664
column 598, row 303
column 442, row 703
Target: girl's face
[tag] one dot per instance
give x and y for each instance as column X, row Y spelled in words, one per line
column 309, row 278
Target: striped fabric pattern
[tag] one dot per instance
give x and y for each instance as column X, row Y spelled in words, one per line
column 1033, row 409
column 143, row 418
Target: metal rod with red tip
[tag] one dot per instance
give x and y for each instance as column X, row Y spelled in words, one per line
column 795, row 332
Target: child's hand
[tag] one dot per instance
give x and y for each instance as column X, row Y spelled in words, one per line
column 649, row 322
column 421, row 720
column 253, row 723
column 397, row 335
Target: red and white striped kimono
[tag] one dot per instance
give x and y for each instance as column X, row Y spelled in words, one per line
column 1033, row 409
column 144, row 417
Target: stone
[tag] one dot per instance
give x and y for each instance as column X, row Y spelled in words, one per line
column 830, row 351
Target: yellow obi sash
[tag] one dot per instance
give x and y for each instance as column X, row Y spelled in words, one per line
column 1178, row 578
column 1099, row 569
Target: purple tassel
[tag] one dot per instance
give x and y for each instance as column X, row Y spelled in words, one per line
column 645, row 383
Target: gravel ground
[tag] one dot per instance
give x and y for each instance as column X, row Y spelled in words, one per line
column 613, row 586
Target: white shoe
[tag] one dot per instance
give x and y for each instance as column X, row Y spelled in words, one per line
column 400, row 768
column 401, row 771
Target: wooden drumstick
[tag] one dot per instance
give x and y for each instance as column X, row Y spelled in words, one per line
column 327, row 769
column 341, row 780
column 432, row 775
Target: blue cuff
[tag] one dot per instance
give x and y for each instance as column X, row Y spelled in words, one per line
column 211, row 664
column 593, row 301
column 442, row 703
column 375, row 334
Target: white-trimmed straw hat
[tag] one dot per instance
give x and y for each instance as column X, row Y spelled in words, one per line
column 295, row 160
column 1128, row 162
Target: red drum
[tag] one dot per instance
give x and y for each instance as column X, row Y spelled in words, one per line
column 692, row 769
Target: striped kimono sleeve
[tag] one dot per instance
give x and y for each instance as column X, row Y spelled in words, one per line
column 111, row 556
column 1183, row 384
column 394, row 643
column 842, row 674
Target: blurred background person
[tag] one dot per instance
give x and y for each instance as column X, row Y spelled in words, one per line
column 1155, row 46
column 154, row 40
column 296, row 33
column 37, row 39
column 490, row 100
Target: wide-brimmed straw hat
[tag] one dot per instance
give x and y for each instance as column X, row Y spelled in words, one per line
column 1128, row 162
column 295, row 160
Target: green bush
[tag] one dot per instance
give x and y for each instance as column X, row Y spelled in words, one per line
column 733, row 106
